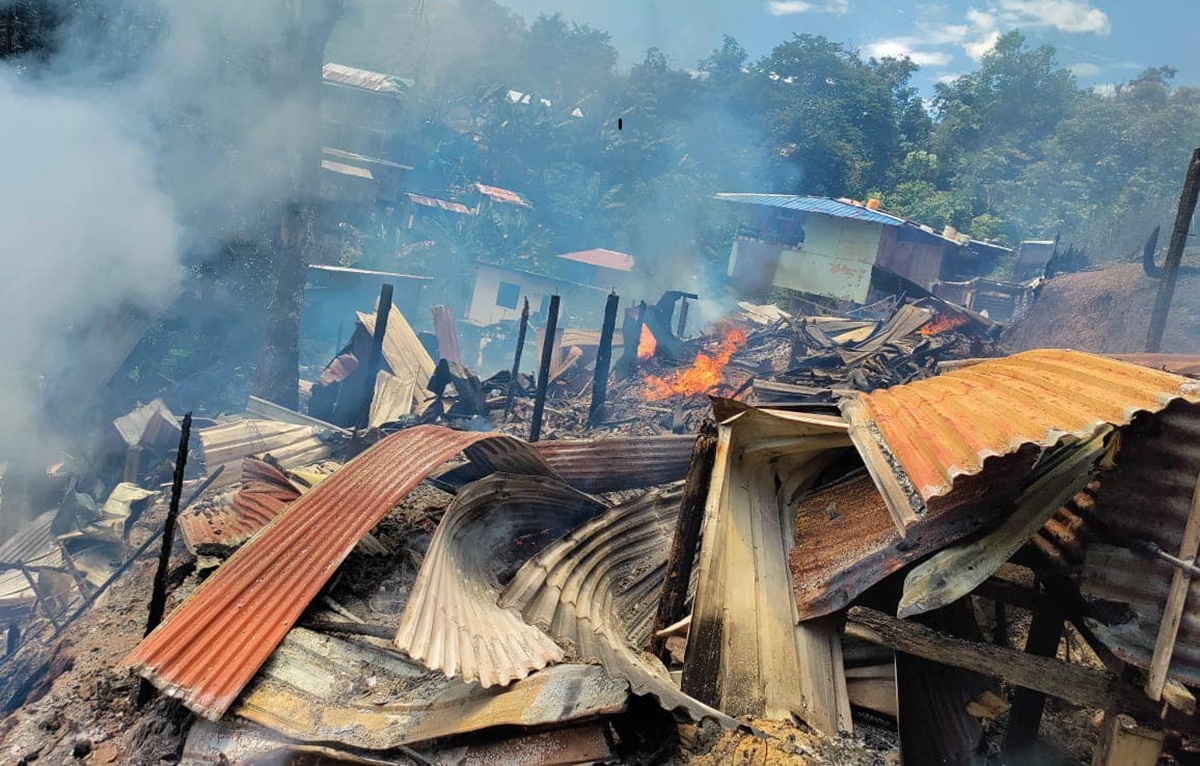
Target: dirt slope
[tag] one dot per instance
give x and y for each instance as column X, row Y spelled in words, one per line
column 1108, row 311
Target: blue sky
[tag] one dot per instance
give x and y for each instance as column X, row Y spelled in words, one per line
column 1103, row 41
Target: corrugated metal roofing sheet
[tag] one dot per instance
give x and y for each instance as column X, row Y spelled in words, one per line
column 453, row 207
column 819, row 205
column 608, row 259
column 211, row 646
column 1148, row 496
column 452, row 622
column 229, row 444
column 343, row 169
column 364, row 79
column 502, row 195
column 302, row 693
column 213, row 530
column 923, row 440
column 596, row 591
column 587, row 464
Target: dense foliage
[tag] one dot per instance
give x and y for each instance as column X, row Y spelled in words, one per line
column 1016, row 149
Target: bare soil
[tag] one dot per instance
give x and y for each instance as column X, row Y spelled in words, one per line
column 1108, row 311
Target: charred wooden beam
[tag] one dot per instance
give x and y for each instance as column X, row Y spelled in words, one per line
column 516, row 368
column 687, row 536
column 603, row 360
column 1073, row 683
column 158, row 598
column 1183, row 222
column 1045, row 631
column 1153, row 270
column 375, row 358
column 681, row 329
column 543, row 380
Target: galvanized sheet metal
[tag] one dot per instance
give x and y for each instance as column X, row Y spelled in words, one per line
column 1148, row 496
column 229, row 444
column 210, row 647
column 452, row 622
column 936, row 434
column 820, row 205
column 606, row 465
column 325, row 689
column 596, row 591
column 364, row 79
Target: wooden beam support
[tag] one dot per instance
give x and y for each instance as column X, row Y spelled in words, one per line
column 1168, row 629
column 1045, row 631
column 1073, row 683
column 1124, row 743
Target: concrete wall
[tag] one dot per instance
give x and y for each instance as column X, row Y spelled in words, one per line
column 835, row 259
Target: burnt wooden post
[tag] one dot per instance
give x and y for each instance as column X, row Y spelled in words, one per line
column 543, row 379
column 1045, row 631
column 1183, row 222
column 687, row 535
column 603, row 360
column 375, row 357
column 683, row 317
column 516, row 368
column 158, row 597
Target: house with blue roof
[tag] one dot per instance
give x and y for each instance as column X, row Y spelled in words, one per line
column 843, row 249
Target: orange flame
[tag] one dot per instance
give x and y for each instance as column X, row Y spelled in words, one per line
column 646, row 344
column 701, row 376
column 942, row 324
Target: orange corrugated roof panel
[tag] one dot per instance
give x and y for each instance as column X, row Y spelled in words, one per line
column 946, row 427
column 212, row 645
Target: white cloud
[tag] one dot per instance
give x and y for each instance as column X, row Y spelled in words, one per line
column 981, row 27
column 899, row 47
column 1077, row 16
column 789, row 7
column 1084, row 69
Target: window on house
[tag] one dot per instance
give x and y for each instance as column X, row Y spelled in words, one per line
column 507, row 295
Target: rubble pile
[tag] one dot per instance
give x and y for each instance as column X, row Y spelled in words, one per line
column 800, row 539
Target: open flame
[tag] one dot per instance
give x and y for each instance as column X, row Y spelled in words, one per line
column 942, row 324
column 646, row 344
column 701, row 376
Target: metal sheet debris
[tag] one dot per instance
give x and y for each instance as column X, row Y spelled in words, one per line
column 221, row 530
column 319, row 688
column 291, row 445
column 924, row 442
column 210, row 647
column 452, row 622
column 596, row 591
column 1147, row 497
column 587, row 464
column 746, row 655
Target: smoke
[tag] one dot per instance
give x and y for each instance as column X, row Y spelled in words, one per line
column 152, row 134
column 86, row 229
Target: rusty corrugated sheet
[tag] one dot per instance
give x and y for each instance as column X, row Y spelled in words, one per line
column 266, row 493
column 1148, row 497
column 596, row 591
column 452, row 622
column 502, row 195
column 589, row 464
column 608, row 259
column 927, row 438
column 321, row 688
column 210, row 647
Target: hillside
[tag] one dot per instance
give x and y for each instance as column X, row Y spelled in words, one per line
column 1108, row 311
